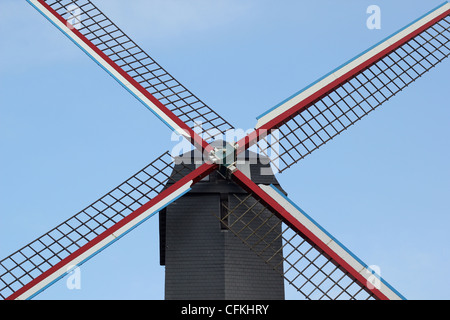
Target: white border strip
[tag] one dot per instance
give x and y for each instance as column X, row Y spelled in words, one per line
column 371, row 277
column 302, row 95
column 108, row 68
column 61, row 272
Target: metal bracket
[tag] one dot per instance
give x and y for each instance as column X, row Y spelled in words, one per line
column 225, row 157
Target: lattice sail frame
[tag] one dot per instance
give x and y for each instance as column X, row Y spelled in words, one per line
column 302, row 264
column 101, row 39
column 310, row 252
column 330, row 113
column 35, row 258
column 51, row 257
column 29, row 270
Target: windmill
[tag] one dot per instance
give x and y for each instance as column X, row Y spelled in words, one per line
column 412, row 52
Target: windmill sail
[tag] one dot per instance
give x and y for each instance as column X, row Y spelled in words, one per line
column 311, row 260
column 320, row 112
column 132, row 67
column 37, row 265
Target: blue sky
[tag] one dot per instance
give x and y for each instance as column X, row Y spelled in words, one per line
column 69, row 133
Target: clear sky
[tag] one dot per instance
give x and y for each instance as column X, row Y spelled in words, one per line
column 69, row 133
